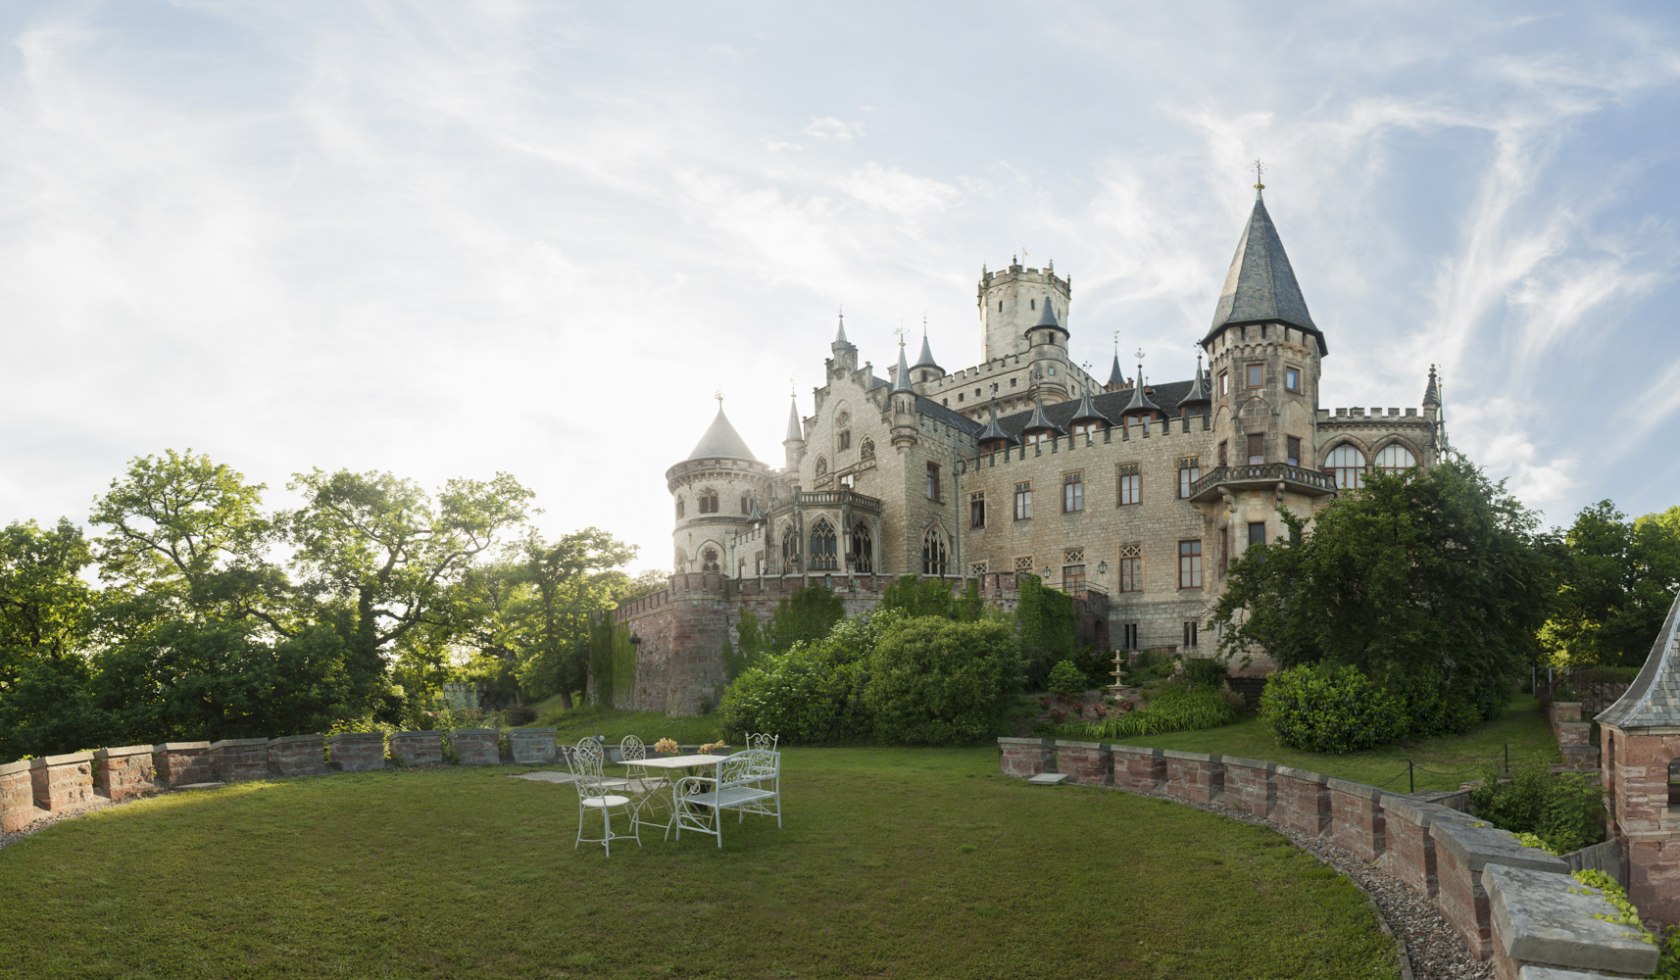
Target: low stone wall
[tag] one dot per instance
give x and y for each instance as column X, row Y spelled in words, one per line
column 533, row 746
column 126, row 771
column 476, row 746
column 61, row 782
column 238, row 759
column 183, row 763
column 1574, row 736
column 417, row 748
column 297, row 755
column 1514, row 906
column 17, row 797
column 357, row 751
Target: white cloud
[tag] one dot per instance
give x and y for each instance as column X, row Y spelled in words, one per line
column 896, row 192
column 831, row 128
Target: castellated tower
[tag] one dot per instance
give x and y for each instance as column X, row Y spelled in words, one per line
column 720, row 492
column 1011, row 303
column 1265, row 356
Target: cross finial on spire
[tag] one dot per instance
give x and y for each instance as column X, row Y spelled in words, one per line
column 1259, row 177
column 793, row 388
column 1140, row 353
column 900, row 332
column 1116, row 343
column 718, row 394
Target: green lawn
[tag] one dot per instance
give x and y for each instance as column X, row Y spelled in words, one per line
column 614, row 724
column 893, row 863
column 1438, row 763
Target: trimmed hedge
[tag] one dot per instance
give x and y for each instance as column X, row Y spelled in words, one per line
column 1326, row 708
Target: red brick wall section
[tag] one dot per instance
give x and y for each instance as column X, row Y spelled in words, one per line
column 1654, row 878
column 533, row 746
column 1356, row 818
column 1139, row 769
column 62, row 781
column 417, row 748
column 357, row 751
column 1303, row 802
column 1026, row 757
column 297, row 755
column 183, row 763
column 476, row 746
column 1086, row 763
column 1408, row 850
column 1249, row 786
column 1193, row 776
column 239, row 759
column 126, row 771
column 17, row 797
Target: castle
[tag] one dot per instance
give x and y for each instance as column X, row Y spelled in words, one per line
column 1135, row 494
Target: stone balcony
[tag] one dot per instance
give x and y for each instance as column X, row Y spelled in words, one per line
column 1262, row 476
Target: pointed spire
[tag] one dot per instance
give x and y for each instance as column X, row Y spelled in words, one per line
column 901, row 382
column 795, row 430
column 1047, row 318
column 1198, row 393
column 926, row 360
column 993, row 432
column 840, row 341
column 721, row 440
column 1653, row 699
column 1037, row 421
column 1140, row 403
column 1115, row 378
column 1087, row 412
column 1432, row 393
column 1260, row 286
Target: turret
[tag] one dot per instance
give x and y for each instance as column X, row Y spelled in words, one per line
column 793, row 444
column 1140, row 409
column 1086, row 418
column 1196, row 400
column 717, row 490
column 1038, row 427
column 926, row 368
column 844, row 354
column 1116, row 379
column 903, row 404
column 1011, row 302
column 992, row 438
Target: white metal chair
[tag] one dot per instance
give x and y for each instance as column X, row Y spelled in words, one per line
column 595, row 793
column 647, row 789
column 762, row 740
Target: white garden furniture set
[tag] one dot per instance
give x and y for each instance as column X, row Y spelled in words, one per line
column 746, row 782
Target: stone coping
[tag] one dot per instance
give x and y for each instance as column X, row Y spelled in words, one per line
column 1415, row 811
column 1478, row 845
column 229, row 743
column 22, row 765
column 179, row 746
column 1360, row 790
column 1079, row 745
column 293, row 739
column 1007, row 740
column 357, row 736
column 1231, row 760
column 1189, row 756
column 1302, row 775
column 1547, row 918
column 73, row 758
column 1137, row 750
column 122, row 751
column 426, row 733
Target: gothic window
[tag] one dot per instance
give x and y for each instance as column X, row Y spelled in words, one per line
column 1189, row 471
column 1347, row 465
column 1674, row 784
column 1395, row 458
column 1131, row 568
column 1073, row 493
column 1192, row 633
column 1222, row 454
column 1128, row 636
column 1189, row 564
column 848, row 480
column 790, row 547
column 824, row 551
column 933, row 553
column 1131, row 484
column 843, row 419
column 868, row 450
column 977, row 509
column 1224, row 382
column 708, row 501
column 862, row 548
column 709, row 560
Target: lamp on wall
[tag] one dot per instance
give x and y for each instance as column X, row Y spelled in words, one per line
column 1045, row 572
column 1102, row 568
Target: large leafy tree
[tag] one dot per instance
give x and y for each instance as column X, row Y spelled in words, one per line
column 1433, row 584
column 1617, row 580
column 575, row 579
column 46, row 702
column 392, row 557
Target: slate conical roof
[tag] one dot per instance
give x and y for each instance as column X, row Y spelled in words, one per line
column 1260, row 286
column 993, row 432
column 721, row 441
column 840, row 341
column 1086, row 412
column 926, row 360
column 901, row 381
column 1115, row 378
column 1140, row 402
column 1653, row 700
column 1432, row 393
column 1037, row 420
column 1047, row 317
column 1198, row 393
column 795, row 431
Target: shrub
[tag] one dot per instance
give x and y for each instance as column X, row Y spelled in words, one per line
column 938, row 682
column 1066, row 678
column 810, row 694
column 1205, row 671
column 1324, row 708
column 1176, row 708
column 1563, row 811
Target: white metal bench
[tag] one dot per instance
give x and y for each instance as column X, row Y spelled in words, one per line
column 746, row 782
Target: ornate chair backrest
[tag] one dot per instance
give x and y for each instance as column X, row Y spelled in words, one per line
column 585, row 760
column 762, row 740
column 630, row 751
column 737, row 767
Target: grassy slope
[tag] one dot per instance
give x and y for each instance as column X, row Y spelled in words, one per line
column 1440, row 763
column 650, row 726
column 893, row 862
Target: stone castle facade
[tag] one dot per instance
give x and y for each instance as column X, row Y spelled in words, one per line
column 1137, row 492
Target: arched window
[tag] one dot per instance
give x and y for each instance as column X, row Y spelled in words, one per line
column 863, row 548
column 1346, row 464
column 708, row 501
column 933, row 553
column 709, row 560
column 1395, row 458
column 868, row 450
column 824, row 552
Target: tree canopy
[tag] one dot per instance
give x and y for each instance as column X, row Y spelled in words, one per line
column 1431, row 583
column 1617, row 578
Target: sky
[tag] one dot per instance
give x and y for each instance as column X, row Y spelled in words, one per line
column 446, row 239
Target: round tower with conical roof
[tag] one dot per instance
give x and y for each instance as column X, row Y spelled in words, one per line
column 719, row 492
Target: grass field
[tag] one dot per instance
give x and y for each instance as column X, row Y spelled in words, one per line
column 1437, row 763
column 893, row 862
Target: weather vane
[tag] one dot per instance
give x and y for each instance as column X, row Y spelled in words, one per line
column 1259, row 176
column 718, row 394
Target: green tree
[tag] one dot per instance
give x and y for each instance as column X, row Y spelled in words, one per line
column 1616, row 582
column 938, row 682
column 576, row 580
column 1432, row 584
column 46, row 697
column 393, row 556
column 807, row 614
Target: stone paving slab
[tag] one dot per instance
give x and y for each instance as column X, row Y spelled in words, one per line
column 1048, row 779
column 546, row 776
